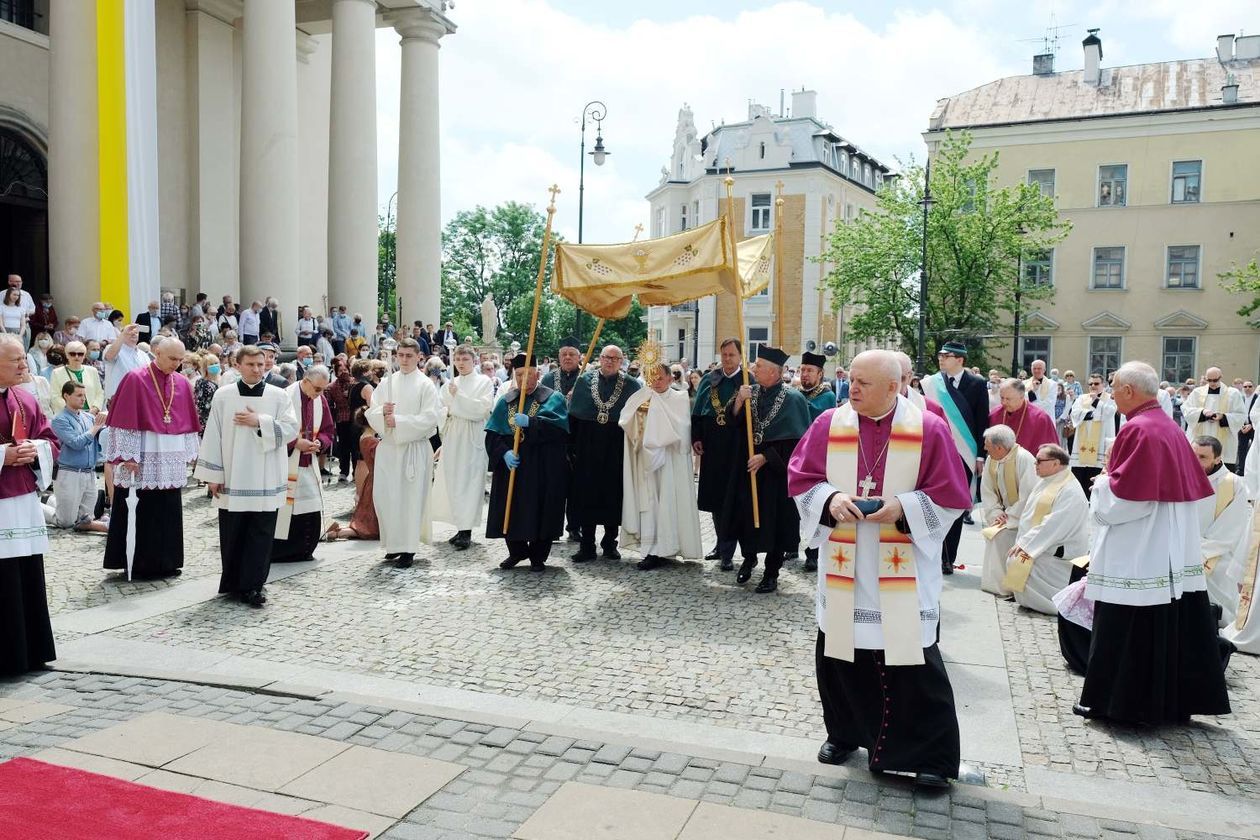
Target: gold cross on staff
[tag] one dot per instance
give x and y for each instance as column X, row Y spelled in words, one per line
column 555, row 190
column 728, row 166
column 778, row 187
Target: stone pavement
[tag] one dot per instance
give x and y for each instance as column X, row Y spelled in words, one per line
column 680, row 653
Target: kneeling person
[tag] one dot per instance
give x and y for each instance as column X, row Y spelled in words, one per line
column 541, row 467
column 75, row 486
column 1224, row 534
column 1053, row 530
column 1008, row 479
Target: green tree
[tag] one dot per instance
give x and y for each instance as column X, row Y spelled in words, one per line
column 1244, row 280
column 976, row 233
column 386, row 265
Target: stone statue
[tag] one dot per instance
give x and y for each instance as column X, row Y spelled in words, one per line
column 489, row 320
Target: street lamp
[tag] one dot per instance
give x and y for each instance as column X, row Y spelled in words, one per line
column 926, row 203
column 594, row 110
column 1019, row 288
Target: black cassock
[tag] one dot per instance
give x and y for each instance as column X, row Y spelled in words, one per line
column 541, row 478
column 245, row 539
column 721, row 449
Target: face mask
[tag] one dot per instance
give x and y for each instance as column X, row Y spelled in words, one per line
column 364, row 355
column 44, row 344
column 189, row 369
column 153, row 311
column 48, row 304
column 94, row 355
column 214, row 370
column 101, row 316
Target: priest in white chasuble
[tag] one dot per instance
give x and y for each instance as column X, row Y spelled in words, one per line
column 244, row 458
column 1218, row 410
column 1244, row 630
column 1053, row 531
column 659, row 517
column 300, row 522
column 540, row 466
column 1224, row 529
column 459, row 488
column 1007, row 480
column 879, row 484
column 1093, row 419
column 153, row 435
column 1153, row 658
column 405, row 412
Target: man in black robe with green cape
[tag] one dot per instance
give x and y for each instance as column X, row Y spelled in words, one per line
column 780, row 418
column 713, row 439
column 541, row 466
column 561, row 379
column 595, row 493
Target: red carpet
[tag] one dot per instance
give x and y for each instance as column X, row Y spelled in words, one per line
column 61, row 803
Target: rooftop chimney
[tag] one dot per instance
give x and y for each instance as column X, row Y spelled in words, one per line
column 1229, row 90
column 804, row 103
column 1225, row 48
column 1247, row 48
column 1093, row 58
column 1043, row 65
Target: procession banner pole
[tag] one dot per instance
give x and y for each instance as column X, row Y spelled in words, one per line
column 778, row 269
column 529, row 350
column 599, row 326
column 743, row 337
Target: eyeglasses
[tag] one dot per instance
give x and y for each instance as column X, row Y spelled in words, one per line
column 73, row 355
column 1214, row 381
column 1047, row 460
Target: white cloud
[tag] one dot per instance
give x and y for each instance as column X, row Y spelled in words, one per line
column 515, row 76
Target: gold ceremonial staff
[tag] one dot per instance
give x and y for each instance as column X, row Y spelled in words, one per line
column 529, row 350
column 743, row 335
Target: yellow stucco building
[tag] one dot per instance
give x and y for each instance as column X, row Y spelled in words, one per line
column 1158, row 168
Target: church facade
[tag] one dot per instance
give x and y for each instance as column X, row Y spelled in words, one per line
column 823, row 177
column 1155, row 166
column 224, row 146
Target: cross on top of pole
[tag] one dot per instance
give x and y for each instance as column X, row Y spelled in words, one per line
column 638, row 229
column 555, row 190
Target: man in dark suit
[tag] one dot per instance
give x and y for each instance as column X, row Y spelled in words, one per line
column 1246, row 434
column 965, row 399
column 150, row 322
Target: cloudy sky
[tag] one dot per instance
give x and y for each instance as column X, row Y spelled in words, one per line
column 515, row 76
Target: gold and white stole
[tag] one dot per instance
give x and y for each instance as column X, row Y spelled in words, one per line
column 1226, row 490
column 898, row 578
column 1249, row 574
column 1089, row 438
column 1009, row 486
column 1019, row 568
column 1217, row 431
column 285, row 516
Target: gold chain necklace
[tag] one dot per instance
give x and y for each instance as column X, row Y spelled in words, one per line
column 529, row 412
column 169, row 401
column 759, row 424
column 602, row 407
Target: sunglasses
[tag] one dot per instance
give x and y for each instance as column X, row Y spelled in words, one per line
column 1047, row 460
column 74, row 355
column 1214, row 381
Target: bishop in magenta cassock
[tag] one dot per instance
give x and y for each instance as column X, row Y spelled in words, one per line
column 28, row 449
column 153, row 435
column 1032, row 427
column 1153, row 657
column 881, row 679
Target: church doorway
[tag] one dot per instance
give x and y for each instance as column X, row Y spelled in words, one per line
column 23, row 212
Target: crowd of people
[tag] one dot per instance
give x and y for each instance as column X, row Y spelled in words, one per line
column 1119, row 505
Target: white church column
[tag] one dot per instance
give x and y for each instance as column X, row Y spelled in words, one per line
column 269, row 158
column 352, row 232
column 73, row 182
column 419, row 229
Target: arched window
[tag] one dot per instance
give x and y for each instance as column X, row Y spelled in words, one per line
column 23, row 173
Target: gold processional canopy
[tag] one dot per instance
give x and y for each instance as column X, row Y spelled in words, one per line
column 603, row 279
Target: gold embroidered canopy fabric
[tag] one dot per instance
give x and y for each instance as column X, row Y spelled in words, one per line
column 603, row 279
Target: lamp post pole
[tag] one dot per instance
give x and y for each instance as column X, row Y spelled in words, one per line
column 1019, row 287
column 594, row 110
column 923, row 270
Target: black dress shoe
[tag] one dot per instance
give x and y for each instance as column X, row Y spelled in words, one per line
column 830, row 753
column 726, row 565
column 511, row 563
column 461, row 541
column 612, row 553
column 452, row 540
column 584, row 555
column 538, row 565
column 930, row 780
column 254, row 598
column 768, row 584
column 967, row 520
column 405, row 561
column 575, row 536
column 947, row 568
column 811, row 564
column 791, row 555
column 650, row 562
column 745, row 570
column 393, row 556
column 1083, row 711
column 713, row 555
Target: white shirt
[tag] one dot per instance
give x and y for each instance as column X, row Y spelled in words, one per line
column 248, row 322
column 97, row 329
column 12, row 315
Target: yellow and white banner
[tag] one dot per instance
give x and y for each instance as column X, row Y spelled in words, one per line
column 126, row 76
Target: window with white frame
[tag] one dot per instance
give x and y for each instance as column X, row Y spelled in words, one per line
column 1108, row 268
column 760, row 211
column 1033, row 347
column 1178, row 358
column 757, row 336
column 1185, row 181
column 660, row 221
column 695, row 212
column 826, row 154
column 1112, row 184
column 1043, row 179
column 1183, row 267
column 682, row 345
column 682, row 217
column 1104, row 355
column 866, row 176
column 879, row 180
column 843, row 165
column 1039, row 268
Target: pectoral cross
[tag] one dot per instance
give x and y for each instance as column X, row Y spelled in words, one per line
column 867, row 484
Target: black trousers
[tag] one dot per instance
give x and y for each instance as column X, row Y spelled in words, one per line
column 26, row 637
column 245, row 547
column 949, row 551
column 347, row 450
column 608, row 542
column 535, row 551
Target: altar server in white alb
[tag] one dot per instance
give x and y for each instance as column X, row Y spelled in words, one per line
column 244, row 458
column 1218, row 410
column 405, row 412
column 1053, row 531
column 1093, row 419
column 1224, row 520
column 301, row 520
column 1005, row 484
column 459, row 487
column 659, row 517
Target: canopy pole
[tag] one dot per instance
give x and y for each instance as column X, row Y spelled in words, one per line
column 780, row 333
column 586, row 360
column 529, row 351
column 743, row 337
